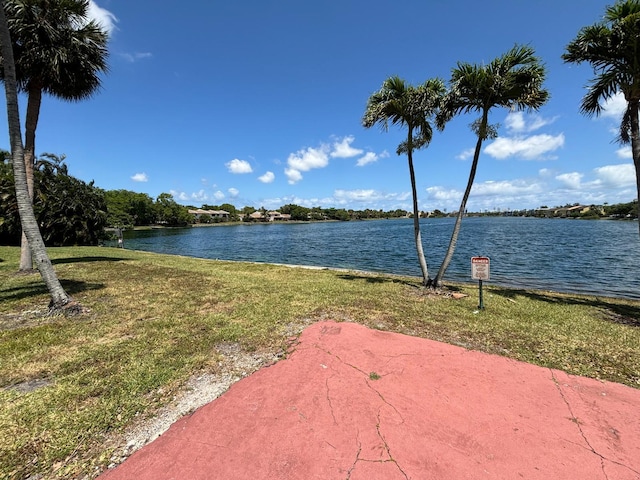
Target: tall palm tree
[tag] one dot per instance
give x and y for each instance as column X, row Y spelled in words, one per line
column 611, row 47
column 59, row 52
column 513, row 81
column 401, row 104
column 59, row 298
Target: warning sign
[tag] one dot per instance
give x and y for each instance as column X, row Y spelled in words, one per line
column 480, row 268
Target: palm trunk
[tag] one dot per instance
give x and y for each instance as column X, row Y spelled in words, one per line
column 59, row 297
column 635, row 149
column 33, row 112
column 416, row 215
column 463, row 205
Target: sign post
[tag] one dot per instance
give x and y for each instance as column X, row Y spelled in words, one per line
column 480, row 272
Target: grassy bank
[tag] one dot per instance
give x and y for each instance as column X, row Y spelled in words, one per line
column 68, row 386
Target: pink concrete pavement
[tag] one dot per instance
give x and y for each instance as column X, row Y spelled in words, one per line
column 360, row 404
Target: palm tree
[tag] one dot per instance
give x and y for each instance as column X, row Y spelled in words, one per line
column 611, row 47
column 401, row 104
column 59, row 298
column 513, row 81
column 58, row 52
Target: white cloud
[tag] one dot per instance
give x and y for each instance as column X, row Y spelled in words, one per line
column 267, row 177
column 488, row 195
column 305, row 160
column 102, row 16
column 293, row 175
column 371, row 157
column 358, row 199
column 357, row 195
column 369, row 198
column 528, row 148
column 277, row 202
column 505, row 188
column 545, row 172
column 239, row 166
column 442, row 194
column 233, row 192
column 571, row 180
column 179, row 196
column 468, row 153
column 623, row 175
column 614, row 107
column 200, row 196
column 140, row 177
column 218, row 195
column 343, row 148
column 134, row 57
column 624, row 152
column 515, row 121
column 311, row 158
column 518, row 122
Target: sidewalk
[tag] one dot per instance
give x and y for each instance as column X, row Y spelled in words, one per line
column 360, row 404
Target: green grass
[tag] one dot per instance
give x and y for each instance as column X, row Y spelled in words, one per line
column 156, row 320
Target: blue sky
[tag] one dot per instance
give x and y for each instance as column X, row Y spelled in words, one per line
column 259, row 102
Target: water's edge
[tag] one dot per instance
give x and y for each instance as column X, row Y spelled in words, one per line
column 587, row 257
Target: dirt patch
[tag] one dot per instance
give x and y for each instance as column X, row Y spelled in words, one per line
column 28, row 318
column 30, row 385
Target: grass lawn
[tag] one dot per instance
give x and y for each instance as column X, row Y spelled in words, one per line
column 69, row 386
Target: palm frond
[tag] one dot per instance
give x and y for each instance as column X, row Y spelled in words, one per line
column 56, row 47
column 398, row 103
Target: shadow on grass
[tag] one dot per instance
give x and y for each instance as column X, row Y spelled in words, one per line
column 39, row 288
column 613, row 311
column 86, row 259
column 379, row 279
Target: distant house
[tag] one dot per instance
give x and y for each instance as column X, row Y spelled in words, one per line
column 280, row 217
column 563, row 211
column 577, row 209
column 546, row 212
column 272, row 216
column 212, row 213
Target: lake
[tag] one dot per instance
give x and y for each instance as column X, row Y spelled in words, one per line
column 599, row 257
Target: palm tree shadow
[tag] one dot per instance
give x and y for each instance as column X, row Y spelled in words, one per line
column 58, row 261
column 612, row 311
column 378, row 279
column 35, row 289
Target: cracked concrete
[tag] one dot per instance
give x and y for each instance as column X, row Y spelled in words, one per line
column 352, row 403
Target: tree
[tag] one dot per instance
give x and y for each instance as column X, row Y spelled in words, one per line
column 68, row 210
column 512, row 81
column 127, row 209
column 611, row 47
column 401, row 104
column 59, row 52
column 170, row 212
column 233, row 212
column 297, row 212
column 59, row 298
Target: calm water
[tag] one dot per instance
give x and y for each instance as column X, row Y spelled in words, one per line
column 598, row 257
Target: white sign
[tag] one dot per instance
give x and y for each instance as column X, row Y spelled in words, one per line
column 480, row 268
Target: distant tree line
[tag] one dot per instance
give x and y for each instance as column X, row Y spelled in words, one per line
column 627, row 210
column 70, row 211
